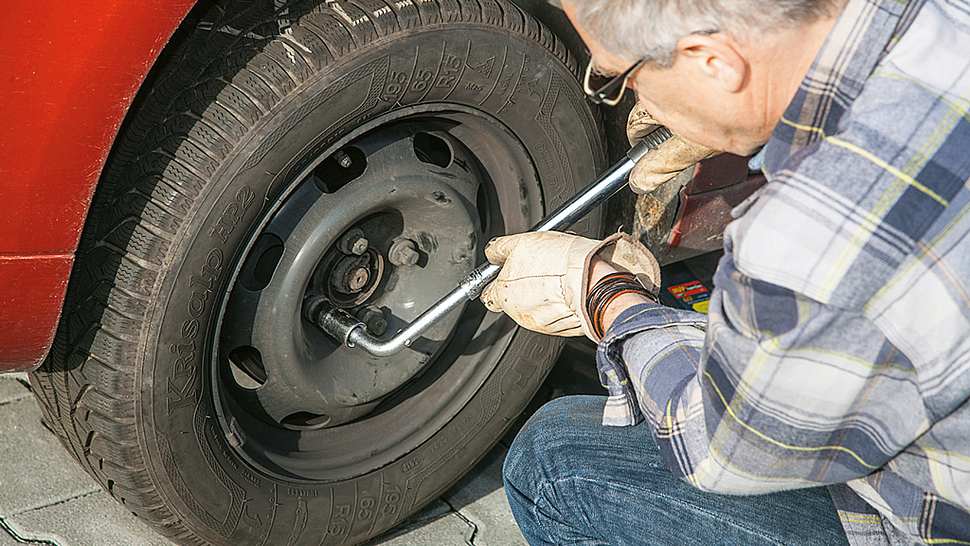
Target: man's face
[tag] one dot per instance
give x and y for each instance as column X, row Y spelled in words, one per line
column 688, row 100
column 700, row 111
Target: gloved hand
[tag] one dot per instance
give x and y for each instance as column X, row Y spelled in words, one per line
column 546, row 276
column 664, row 163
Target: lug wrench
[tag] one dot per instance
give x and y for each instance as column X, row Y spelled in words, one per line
column 345, row 328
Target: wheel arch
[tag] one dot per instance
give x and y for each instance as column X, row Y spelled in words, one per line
column 75, row 72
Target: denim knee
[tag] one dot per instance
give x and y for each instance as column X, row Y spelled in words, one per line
column 541, row 450
column 547, row 451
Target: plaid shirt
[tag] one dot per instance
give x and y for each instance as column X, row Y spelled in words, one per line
column 837, row 346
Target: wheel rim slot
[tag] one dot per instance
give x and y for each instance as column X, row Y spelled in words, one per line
column 432, row 149
column 340, row 168
column 247, row 368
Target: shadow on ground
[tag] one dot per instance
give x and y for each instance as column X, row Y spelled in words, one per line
column 475, row 511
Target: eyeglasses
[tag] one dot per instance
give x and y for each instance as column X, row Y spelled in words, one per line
column 606, row 90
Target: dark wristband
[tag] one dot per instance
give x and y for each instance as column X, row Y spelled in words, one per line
column 607, row 290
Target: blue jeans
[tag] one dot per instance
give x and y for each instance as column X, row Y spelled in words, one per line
column 571, row 480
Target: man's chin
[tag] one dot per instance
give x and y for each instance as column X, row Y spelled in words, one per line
column 721, row 142
column 747, row 150
column 746, row 147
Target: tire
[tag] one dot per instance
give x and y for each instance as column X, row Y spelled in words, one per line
column 127, row 386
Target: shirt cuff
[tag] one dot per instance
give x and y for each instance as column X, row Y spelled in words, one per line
column 621, row 407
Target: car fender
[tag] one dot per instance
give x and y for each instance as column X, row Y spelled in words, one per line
column 70, row 73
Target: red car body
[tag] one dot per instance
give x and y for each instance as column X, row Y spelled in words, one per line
column 71, row 72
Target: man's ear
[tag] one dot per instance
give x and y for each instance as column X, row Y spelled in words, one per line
column 715, row 56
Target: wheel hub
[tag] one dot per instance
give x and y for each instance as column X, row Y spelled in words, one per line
column 408, row 229
column 351, row 279
column 440, row 178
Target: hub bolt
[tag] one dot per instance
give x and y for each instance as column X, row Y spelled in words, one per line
column 375, row 322
column 353, row 242
column 343, row 159
column 403, row 253
column 357, row 279
column 359, row 246
column 351, row 274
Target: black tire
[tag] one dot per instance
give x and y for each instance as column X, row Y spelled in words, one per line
column 126, row 387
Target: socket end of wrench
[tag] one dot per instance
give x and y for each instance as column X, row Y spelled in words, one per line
column 338, row 323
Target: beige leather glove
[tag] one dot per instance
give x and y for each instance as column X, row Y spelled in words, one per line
column 665, row 162
column 545, row 277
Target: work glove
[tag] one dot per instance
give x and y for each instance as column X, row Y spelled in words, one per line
column 545, row 277
column 664, row 163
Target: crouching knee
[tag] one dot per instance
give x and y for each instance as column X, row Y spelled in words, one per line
column 549, row 445
column 546, row 453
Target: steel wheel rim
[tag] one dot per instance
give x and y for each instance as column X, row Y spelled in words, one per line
column 327, row 450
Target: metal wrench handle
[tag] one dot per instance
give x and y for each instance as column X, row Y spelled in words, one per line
column 353, row 333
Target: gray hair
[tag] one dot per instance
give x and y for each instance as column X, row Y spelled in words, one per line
column 650, row 29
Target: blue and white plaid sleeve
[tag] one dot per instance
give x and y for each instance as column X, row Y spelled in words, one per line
column 774, row 392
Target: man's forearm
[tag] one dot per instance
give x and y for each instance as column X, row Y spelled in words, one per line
column 620, row 304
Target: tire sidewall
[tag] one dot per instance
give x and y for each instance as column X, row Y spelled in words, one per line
column 218, row 495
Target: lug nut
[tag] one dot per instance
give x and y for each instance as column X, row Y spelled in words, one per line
column 375, row 322
column 403, row 253
column 353, row 242
column 359, row 247
column 343, row 159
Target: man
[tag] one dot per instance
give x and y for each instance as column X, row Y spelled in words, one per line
column 837, row 347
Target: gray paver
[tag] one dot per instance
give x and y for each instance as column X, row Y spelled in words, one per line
column 445, row 531
column 92, row 519
column 34, row 468
column 6, row 539
column 11, row 389
column 437, row 524
column 481, row 499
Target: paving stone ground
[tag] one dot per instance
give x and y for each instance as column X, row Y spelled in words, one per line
column 45, row 498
